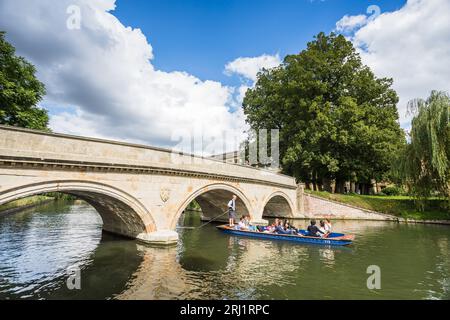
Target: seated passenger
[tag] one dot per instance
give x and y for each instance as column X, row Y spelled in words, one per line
column 267, row 229
column 276, row 222
column 313, row 230
column 290, row 227
column 242, row 225
column 328, row 226
column 248, row 224
column 282, row 230
column 322, row 229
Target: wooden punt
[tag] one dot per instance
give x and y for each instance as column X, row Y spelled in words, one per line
column 334, row 239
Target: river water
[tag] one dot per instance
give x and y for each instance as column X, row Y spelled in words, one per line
column 40, row 247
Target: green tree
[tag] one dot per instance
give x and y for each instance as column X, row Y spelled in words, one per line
column 337, row 121
column 20, row 91
column 425, row 163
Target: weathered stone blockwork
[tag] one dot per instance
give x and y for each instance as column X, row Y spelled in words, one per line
column 139, row 191
column 317, row 208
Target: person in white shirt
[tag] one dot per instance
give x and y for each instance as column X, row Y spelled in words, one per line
column 322, row 228
column 242, row 225
column 232, row 210
column 328, row 226
column 248, row 223
column 325, row 228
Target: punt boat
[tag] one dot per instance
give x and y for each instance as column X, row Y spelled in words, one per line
column 334, row 239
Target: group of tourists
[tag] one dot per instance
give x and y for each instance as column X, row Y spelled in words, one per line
column 245, row 224
column 285, row 227
column 323, row 230
column 278, row 226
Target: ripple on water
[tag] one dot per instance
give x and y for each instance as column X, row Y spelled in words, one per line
column 36, row 248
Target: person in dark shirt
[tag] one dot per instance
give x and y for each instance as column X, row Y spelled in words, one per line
column 280, row 229
column 290, row 227
column 313, row 230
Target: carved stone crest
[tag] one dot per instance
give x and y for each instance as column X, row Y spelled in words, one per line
column 165, row 194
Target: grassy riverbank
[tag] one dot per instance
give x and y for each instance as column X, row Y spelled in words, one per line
column 30, row 201
column 400, row 206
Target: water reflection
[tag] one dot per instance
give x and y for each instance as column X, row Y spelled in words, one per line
column 38, row 246
column 158, row 276
column 36, row 249
column 237, row 268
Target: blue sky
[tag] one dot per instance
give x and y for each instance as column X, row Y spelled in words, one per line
column 201, row 36
column 152, row 71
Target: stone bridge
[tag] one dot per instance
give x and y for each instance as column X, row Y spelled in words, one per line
column 139, row 191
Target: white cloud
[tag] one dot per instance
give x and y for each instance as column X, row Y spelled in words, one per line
column 412, row 46
column 249, row 67
column 349, row 23
column 104, row 72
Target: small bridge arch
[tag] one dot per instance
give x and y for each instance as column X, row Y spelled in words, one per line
column 138, row 190
column 121, row 213
column 213, row 200
column 279, row 205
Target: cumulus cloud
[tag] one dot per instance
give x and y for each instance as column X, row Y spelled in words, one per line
column 248, row 67
column 412, row 46
column 349, row 23
column 104, row 84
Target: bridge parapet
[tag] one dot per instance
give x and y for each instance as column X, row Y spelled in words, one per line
column 139, row 191
column 22, row 145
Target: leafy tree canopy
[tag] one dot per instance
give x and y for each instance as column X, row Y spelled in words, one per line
column 425, row 163
column 20, row 91
column 336, row 119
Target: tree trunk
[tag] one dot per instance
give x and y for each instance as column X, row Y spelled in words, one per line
column 327, row 185
column 373, row 187
column 337, row 187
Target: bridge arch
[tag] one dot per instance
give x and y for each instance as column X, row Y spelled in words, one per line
column 213, row 200
column 121, row 213
column 278, row 204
